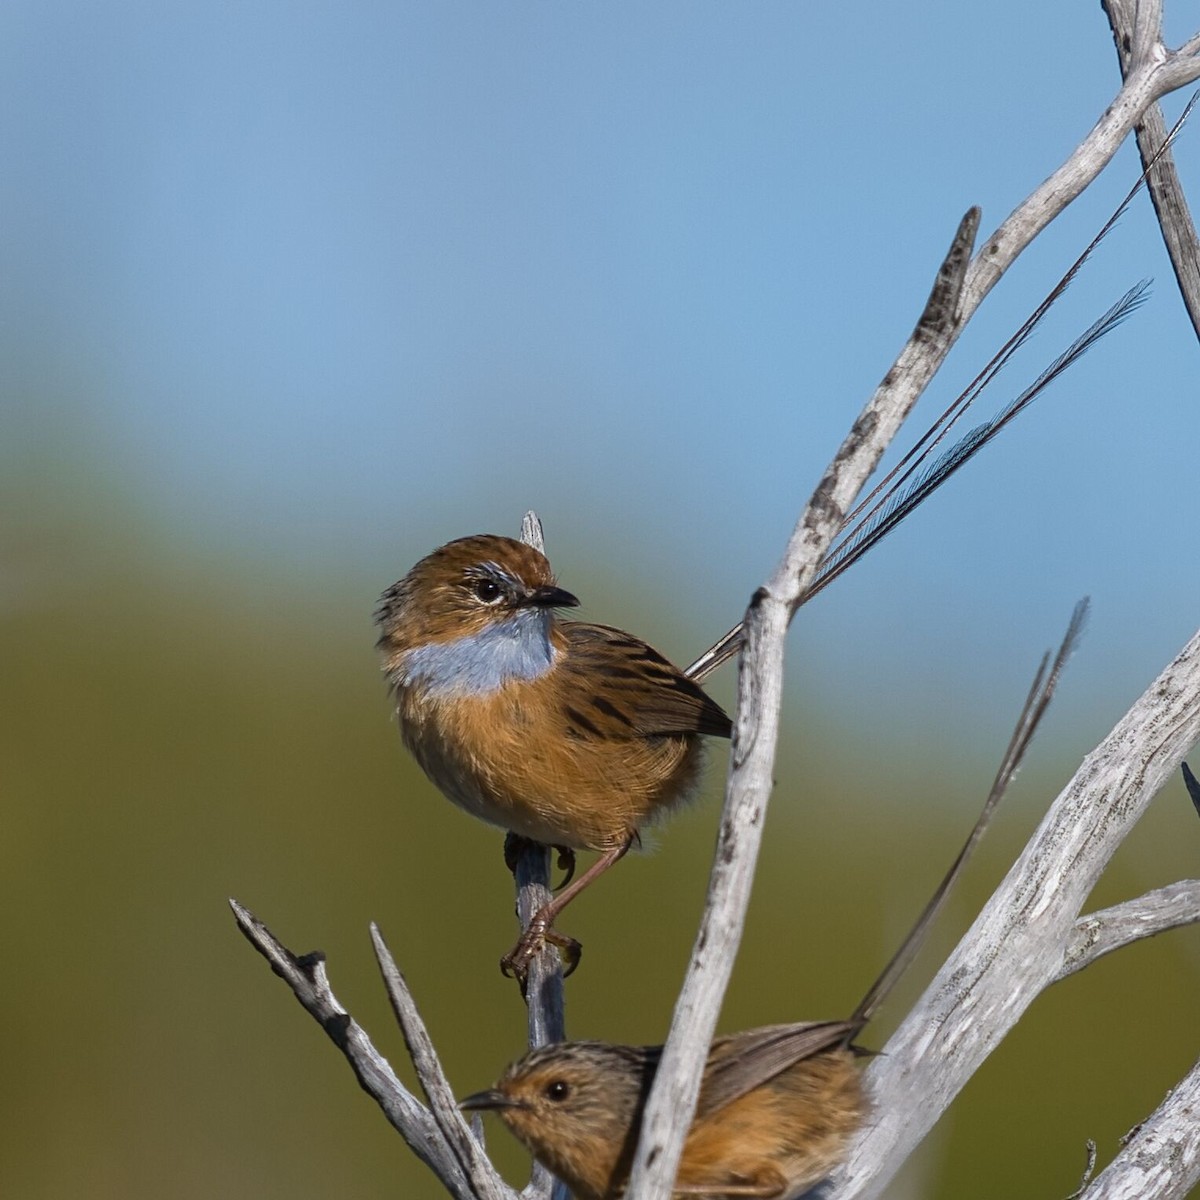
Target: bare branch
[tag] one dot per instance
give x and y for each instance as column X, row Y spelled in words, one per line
column 543, row 985
column 1193, row 786
column 1088, row 1171
column 544, row 981
column 306, row 977
column 1161, row 1157
column 756, row 724
column 1137, row 32
column 1102, row 932
column 933, row 336
column 756, row 731
column 1018, row 945
column 455, row 1131
column 1148, row 81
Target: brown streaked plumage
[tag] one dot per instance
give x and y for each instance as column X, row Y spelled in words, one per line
column 568, row 733
column 777, row 1107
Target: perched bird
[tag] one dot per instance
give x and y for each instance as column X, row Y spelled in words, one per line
column 777, row 1105
column 567, row 733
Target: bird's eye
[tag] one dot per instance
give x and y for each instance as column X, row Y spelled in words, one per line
column 488, row 590
column 558, row 1091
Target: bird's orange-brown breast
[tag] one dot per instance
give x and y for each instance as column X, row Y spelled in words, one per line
column 582, row 756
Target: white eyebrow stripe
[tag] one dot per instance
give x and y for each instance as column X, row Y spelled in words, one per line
column 496, row 570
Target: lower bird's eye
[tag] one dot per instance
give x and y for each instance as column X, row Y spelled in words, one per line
column 558, row 1090
column 488, row 590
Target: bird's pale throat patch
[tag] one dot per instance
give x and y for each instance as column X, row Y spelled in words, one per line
column 517, row 647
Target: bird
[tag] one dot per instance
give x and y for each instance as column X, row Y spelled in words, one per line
column 777, row 1104
column 567, row 733
column 777, row 1107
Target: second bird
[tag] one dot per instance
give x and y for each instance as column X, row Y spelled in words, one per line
column 564, row 732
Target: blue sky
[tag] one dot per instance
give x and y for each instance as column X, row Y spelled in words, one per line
column 327, row 285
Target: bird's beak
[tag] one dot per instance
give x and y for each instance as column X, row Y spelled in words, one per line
column 550, row 597
column 492, row 1098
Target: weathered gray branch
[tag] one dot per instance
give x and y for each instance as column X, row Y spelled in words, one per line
column 760, row 678
column 1151, row 76
column 1102, row 932
column 1020, row 943
column 306, row 976
column 544, row 982
column 1161, row 1156
column 756, row 731
column 456, row 1134
column 1137, row 32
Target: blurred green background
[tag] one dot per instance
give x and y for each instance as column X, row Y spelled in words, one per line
column 292, row 293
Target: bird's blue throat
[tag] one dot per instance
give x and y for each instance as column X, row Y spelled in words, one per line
column 518, row 647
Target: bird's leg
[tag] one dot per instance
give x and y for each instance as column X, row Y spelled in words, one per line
column 514, row 847
column 538, row 931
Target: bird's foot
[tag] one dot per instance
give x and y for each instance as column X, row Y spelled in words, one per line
column 515, row 964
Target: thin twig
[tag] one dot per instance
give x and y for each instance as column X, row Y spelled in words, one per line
column 544, row 982
column 457, row 1134
column 1161, row 1156
column 544, row 998
column 1102, row 932
column 307, row 978
column 1088, row 1170
column 1041, row 693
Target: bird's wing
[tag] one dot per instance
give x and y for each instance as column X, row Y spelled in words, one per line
column 632, row 683
column 743, row 1061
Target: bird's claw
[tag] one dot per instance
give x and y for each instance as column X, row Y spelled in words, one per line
column 570, row 950
column 566, row 862
column 515, row 964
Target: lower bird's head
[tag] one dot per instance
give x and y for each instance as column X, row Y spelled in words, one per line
column 577, row 1108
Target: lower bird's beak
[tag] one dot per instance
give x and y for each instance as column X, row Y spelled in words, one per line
column 492, row 1098
column 551, row 597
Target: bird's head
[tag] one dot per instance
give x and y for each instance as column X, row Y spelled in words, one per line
column 466, row 588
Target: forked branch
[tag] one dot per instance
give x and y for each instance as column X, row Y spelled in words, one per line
column 760, row 678
column 1137, row 32
column 1029, row 933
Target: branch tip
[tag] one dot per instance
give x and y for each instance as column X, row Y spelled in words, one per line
column 1192, row 784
